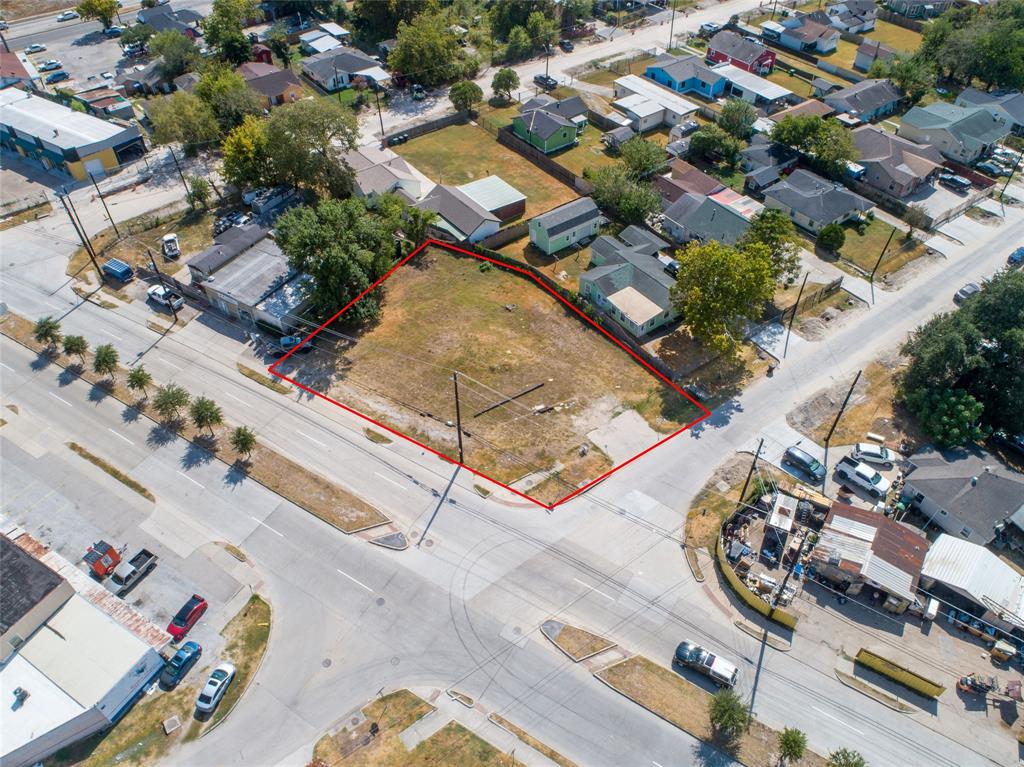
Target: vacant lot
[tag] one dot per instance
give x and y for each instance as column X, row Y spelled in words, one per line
column 617, row 69
column 565, row 267
column 509, row 340
column 462, row 153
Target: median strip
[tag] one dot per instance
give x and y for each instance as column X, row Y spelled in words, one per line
column 575, row 642
column 112, row 470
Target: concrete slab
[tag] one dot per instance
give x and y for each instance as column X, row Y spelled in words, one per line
column 624, row 436
column 772, row 338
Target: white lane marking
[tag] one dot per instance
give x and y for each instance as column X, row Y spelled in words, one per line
column 60, row 398
column 594, row 589
column 259, row 522
column 388, row 479
column 8, row 367
column 311, row 439
column 170, row 364
column 108, row 333
column 655, row 763
column 120, row 436
column 358, row 583
column 237, row 399
column 836, row 718
column 186, row 476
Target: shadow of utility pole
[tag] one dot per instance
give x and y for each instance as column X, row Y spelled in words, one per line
column 440, row 501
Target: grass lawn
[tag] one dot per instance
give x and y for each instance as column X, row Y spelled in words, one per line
column 29, row 214
column 863, row 249
column 246, row 638
column 589, row 153
column 896, row 37
column 504, row 335
column 355, row 747
column 498, row 113
column 798, row 85
column 731, row 177
column 461, row 153
column 786, row 62
column 617, row 69
column 531, row 741
column 577, row 643
column 843, row 56
column 564, row 267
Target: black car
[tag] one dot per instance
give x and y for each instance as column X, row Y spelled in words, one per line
column 547, row 82
column 804, row 461
column 1013, row 442
column 566, row 45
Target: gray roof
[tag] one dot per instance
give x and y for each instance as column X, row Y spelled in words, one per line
column 164, row 17
column 971, row 126
column 765, row 153
column 970, row 483
column 543, row 123
column 763, row 176
column 618, row 265
column 544, row 116
column 642, row 240
column 1011, row 102
column 26, row 582
column 823, row 85
column 620, row 135
column 227, row 246
column 345, row 60
column 897, row 157
column 255, row 274
column 274, row 84
column 864, row 97
column 820, row 200
column 875, row 49
column 568, row 216
column 681, row 68
column 736, row 46
column 457, row 208
column 707, row 218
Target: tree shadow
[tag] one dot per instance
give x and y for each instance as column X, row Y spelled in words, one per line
column 236, row 474
column 163, row 434
column 69, row 375
column 100, row 391
column 710, row 755
column 43, row 360
column 200, row 451
column 131, row 413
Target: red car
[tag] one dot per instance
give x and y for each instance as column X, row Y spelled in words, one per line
column 187, row 617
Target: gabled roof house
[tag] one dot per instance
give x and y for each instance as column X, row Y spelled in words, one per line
column 703, row 218
column 813, row 202
column 550, row 125
column 731, row 48
column 855, row 16
column 892, row 164
column 458, row 215
column 1007, row 105
column 686, row 74
column 867, row 100
column 961, row 133
column 802, row 33
column 566, row 225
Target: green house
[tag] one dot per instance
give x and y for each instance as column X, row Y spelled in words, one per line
column 550, row 125
column 565, row 225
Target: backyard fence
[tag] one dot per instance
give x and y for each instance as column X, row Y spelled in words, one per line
column 900, row 21
column 506, row 235
column 430, row 126
column 806, row 302
column 509, row 139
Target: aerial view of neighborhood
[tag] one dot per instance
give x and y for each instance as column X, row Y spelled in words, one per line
column 497, row 383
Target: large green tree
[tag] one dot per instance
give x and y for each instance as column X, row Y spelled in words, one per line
column 465, row 95
column 277, row 41
column 178, row 53
column 715, row 144
column 507, row 14
column 377, row 20
column 984, row 43
column 737, row 118
column 914, row 75
column 224, row 28
column 504, row 82
column 228, row 96
column 427, row 52
column 248, row 159
column 137, row 33
column 625, row 198
column 519, row 44
column 773, row 229
column 183, row 118
column 719, row 289
column 102, row 11
column 827, row 143
column 641, row 157
column 831, row 238
column 541, row 29
column 307, row 139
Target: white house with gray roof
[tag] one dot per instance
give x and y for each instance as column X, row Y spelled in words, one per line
column 812, row 202
column 458, row 215
column 336, row 69
column 703, row 218
column 1006, row 105
column 867, row 100
column 565, row 225
column 963, row 134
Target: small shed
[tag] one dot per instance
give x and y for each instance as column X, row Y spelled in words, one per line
column 613, row 139
column 497, row 197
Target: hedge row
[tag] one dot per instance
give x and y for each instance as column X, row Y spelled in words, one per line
column 753, row 601
column 899, row 674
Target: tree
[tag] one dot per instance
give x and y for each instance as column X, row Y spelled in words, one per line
column 137, row 33
column 792, row 745
column 426, row 50
column 826, row 142
column 519, row 45
column 641, row 157
column 728, row 713
column 504, row 82
column 205, row 413
column 831, row 238
column 737, row 118
column 223, row 29
column 573, row 11
column 277, row 41
column 916, row 216
column 541, row 30
column 183, row 118
column 76, row 345
column 306, row 141
column 951, row 417
column 465, row 95
column 178, row 54
column 773, row 229
column 247, row 157
column 416, row 224
column 104, row 360
column 378, row 19
column 243, row 440
column 198, row 192
column 169, row 401
column 102, row 11
column 714, row 143
column 508, row 14
column 139, row 379
column 914, row 75
column 47, row 331
column 719, row 289
column 846, row 757
column 228, row 96
column 625, row 198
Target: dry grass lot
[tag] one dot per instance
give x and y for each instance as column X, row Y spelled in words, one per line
column 589, row 153
column 863, row 249
column 20, row 9
column 462, row 153
column 607, row 77
column 579, row 644
column 504, row 334
column 896, row 37
column 564, row 267
column 29, row 214
column 531, row 741
column 722, row 377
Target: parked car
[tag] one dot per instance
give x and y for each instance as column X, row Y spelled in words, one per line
column 169, row 245
column 1016, row 258
column 955, row 182
column 119, row 270
column 50, row 65
column 290, row 342
column 113, row 31
column 868, row 452
column 178, row 666
column 547, row 82
column 709, row 29
column 566, row 45
column 4, row 26
column 35, row 48
column 992, row 168
column 215, row 688
column 107, row 75
column 67, row 16
column 1014, row 442
column 684, row 128
column 418, row 92
column 130, row 572
column 795, row 457
column 715, row 667
column 57, row 77
column 966, row 292
column 187, row 617
column 861, row 475
column 165, row 297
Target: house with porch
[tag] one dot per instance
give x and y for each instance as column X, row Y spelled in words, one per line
column 802, row 33
column 893, row 165
column 1005, row 105
column 336, row 69
column 812, row 202
column 866, row 101
column 550, row 125
column 648, row 105
column 274, row 86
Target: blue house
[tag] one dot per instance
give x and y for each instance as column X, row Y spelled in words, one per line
column 686, row 74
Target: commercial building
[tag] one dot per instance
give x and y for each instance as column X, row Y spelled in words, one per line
column 17, row 69
column 62, row 139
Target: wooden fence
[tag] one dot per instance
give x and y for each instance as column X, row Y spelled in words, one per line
column 509, row 139
column 506, row 235
column 429, row 127
column 900, row 21
column 806, row 302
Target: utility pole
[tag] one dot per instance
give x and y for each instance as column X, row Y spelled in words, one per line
column 183, row 183
column 839, row 415
column 380, row 117
column 750, row 473
column 85, row 240
column 458, row 416
column 881, row 255
column 671, row 25
column 100, row 195
column 3, row 40
column 796, row 308
column 160, row 278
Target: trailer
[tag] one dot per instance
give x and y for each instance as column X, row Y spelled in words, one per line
column 102, row 558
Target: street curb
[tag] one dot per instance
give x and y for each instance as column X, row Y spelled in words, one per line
column 878, row 696
column 695, row 569
column 611, row 645
column 763, row 636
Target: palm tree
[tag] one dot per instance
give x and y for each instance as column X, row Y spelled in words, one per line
column 139, row 378
column 169, row 401
column 104, row 361
column 243, row 440
column 206, row 413
column 846, row 757
column 47, row 331
column 76, row 345
column 729, row 715
column 792, row 744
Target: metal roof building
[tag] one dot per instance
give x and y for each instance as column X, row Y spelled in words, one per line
column 749, row 87
column 497, row 196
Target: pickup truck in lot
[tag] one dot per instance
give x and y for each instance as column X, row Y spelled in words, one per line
column 131, row 571
column 166, row 297
column 863, row 476
column 715, row 667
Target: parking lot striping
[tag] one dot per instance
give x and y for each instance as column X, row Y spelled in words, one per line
column 826, row 713
column 594, row 589
column 108, row 333
column 358, row 583
column 312, row 439
column 261, row 522
column 120, row 435
column 388, row 479
column 186, row 476
column 60, row 398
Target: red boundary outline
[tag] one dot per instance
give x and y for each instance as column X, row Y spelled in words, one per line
column 437, row 243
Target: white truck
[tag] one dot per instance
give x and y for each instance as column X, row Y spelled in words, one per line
column 863, row 476
column 166, row 297
column 129, row 572
column 715, row 667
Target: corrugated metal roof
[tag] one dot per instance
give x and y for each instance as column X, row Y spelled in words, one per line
column 852, row 527
column 976, row 571
column 492, row 192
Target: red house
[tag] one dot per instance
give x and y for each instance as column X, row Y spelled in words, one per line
column 741, row 52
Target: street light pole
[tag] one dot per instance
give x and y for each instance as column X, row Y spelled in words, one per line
column 81, row 235
column 458, row 416
column 182, row 177
column 380, row 117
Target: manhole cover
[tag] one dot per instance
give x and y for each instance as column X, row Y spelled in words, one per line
column 429, row 542
column 326, row 663
column 395, row 660
column 354, row 720
column 380, row 601
column 517, row 631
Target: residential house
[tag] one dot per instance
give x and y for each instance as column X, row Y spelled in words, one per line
column 870, row 51
column 920, row 9
column 1006, row 105
column 860, row 548
column 146, row 79
column 262, row 53
column 16, row 69
column 628, row 282
column 813, row 202
column 684, row 178
column 163, row 17
column 892, row 164
column 802, row 33
column 808, row 108
column 648, row 105
column 967, row 492
column 686, row 74
column 855, row 16
column 731, row 48
column 753, row 89
column 379, row 170
column 974, row 580
column 186, row 82
column 245, row 275
column 274, row 85
column 336, row 69
column 823, row 87
column 317, row 41
column 703, row 218
column 565, row 225
column 867, row 100
column 103, row 101
column 497, row 197
column 550, row 125
column 963, row 134
column 62, row 139
column 458, row 215
column 336, row 31
column 765, row 153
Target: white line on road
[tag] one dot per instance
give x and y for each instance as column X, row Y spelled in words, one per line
column 108, row 333
column 121, row 436
column 186, row 476
column 260, row 522
column 237, row 399
column 170, row 364
column 8, row 367
column 311, row 439
column 358, row 583
column 594, row 589
column 836, row 718
column 388, row 479
column 60, row 398
column 655, row 763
